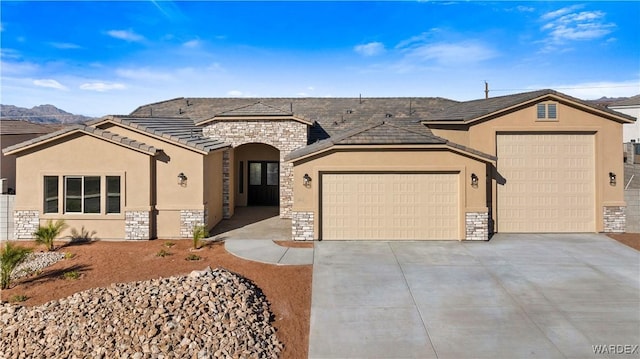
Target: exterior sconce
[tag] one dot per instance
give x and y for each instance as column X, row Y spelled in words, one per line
column 306, row 180
column 474, row 180
column 182, row 180
column 612, row 178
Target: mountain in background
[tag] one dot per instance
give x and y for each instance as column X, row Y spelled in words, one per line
column 40, row 114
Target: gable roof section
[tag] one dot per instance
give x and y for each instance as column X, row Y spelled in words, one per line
column 87, row 130
column 257, row 110
column 20, row 127
column 383, row 133
column 476, row 110
column 179, row 131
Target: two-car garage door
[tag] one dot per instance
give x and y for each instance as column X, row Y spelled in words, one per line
column 390, row 206
column 549, row 182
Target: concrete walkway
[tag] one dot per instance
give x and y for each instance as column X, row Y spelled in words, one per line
column 517, row 296
column 266, row 251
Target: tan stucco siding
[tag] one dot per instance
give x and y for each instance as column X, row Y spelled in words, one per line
column 213, row 188
column 455, row 134
column 84, row 155
column 390, row 161
column 607, row 135
column 246, row 153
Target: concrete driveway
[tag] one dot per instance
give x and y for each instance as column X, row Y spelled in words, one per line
column 517, row 296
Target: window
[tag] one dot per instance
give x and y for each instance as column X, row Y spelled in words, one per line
column 272, row 173
column 113, row 194
column 82, row 194
column 255, row 173
column 547, row 111
column 50, row 194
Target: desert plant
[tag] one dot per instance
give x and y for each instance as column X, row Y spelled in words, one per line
column 10, row 257
column 199, row 232
column 163, row 253
column 82, row 236
column 74, row 274
column 169, row 244
column 18, row 298
column 193, row 257
column 69, row 255
column 47, row 234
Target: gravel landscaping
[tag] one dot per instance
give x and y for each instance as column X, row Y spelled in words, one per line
column 210, row 313
column 36, row 262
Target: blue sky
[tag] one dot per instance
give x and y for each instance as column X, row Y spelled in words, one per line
column 98, row 58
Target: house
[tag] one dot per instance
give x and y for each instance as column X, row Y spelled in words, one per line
column 340, row 168
column 11, row 133
column 631, row 107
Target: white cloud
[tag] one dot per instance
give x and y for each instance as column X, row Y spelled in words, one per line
column 450, row 53
column 65, row 45
column 144, row 74
column 235, row 93
column 102, row 86
column 523, row 8
column 598, row 89
column 127, row 35
column 564, row 26
column 370, row 49
column 50, row 84
column 192, row 44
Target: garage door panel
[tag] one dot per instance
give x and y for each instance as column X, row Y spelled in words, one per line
column 390, row 206
column 549, row 183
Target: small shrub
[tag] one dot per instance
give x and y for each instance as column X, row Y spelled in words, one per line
column 199, row 232
column 10, row 257
column 47, row 234
column 169, row 244
column 18, row 298
column 69, row 255
column 163, row 253
column 74, row 274
column 193, row 257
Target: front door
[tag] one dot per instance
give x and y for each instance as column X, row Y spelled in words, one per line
column 264, row 183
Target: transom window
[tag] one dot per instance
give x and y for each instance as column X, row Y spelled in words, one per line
column 547, row 111
column 82, row 194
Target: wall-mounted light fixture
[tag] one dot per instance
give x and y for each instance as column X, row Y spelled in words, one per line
column 612, row 178
column 306, row 180
column 182, row 179
column 474, row 180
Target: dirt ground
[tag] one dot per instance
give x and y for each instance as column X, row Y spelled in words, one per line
column 288, row 288
column 630, row 239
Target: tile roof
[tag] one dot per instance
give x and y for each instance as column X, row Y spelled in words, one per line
column 128, row 142
column 178, row 130
column 631, row 101
column 255, row 109
column 21, row 127
column 470, row 110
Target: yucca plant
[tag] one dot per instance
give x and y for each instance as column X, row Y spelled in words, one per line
column 10, row 257
column 199, row 232
column 47, row 234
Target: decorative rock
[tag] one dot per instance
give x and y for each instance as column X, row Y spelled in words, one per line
column 137, row 320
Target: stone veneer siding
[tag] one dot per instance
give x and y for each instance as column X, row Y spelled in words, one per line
column 477, row 226
column 137, row 225
column 614, row 219
column 285, row 135
column 189, row 219
column 302, row 226
column 25, row 223
column 226, row 184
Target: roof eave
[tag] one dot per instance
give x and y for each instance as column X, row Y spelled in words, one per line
column 255, row 118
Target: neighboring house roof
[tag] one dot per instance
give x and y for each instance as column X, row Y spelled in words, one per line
column 73, row 129
column 631, row 101
column 470, row 111
column 382, row 133
column 20, row 127
column 180, row 131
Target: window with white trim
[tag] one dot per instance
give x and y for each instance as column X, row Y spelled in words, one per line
column 113, row 194
column 547, row 111
column 82, row 194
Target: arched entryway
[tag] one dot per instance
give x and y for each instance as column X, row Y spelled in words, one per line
column 257, row 175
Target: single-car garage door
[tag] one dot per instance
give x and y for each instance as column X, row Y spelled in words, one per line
column 550, row 183
column 390, row 206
